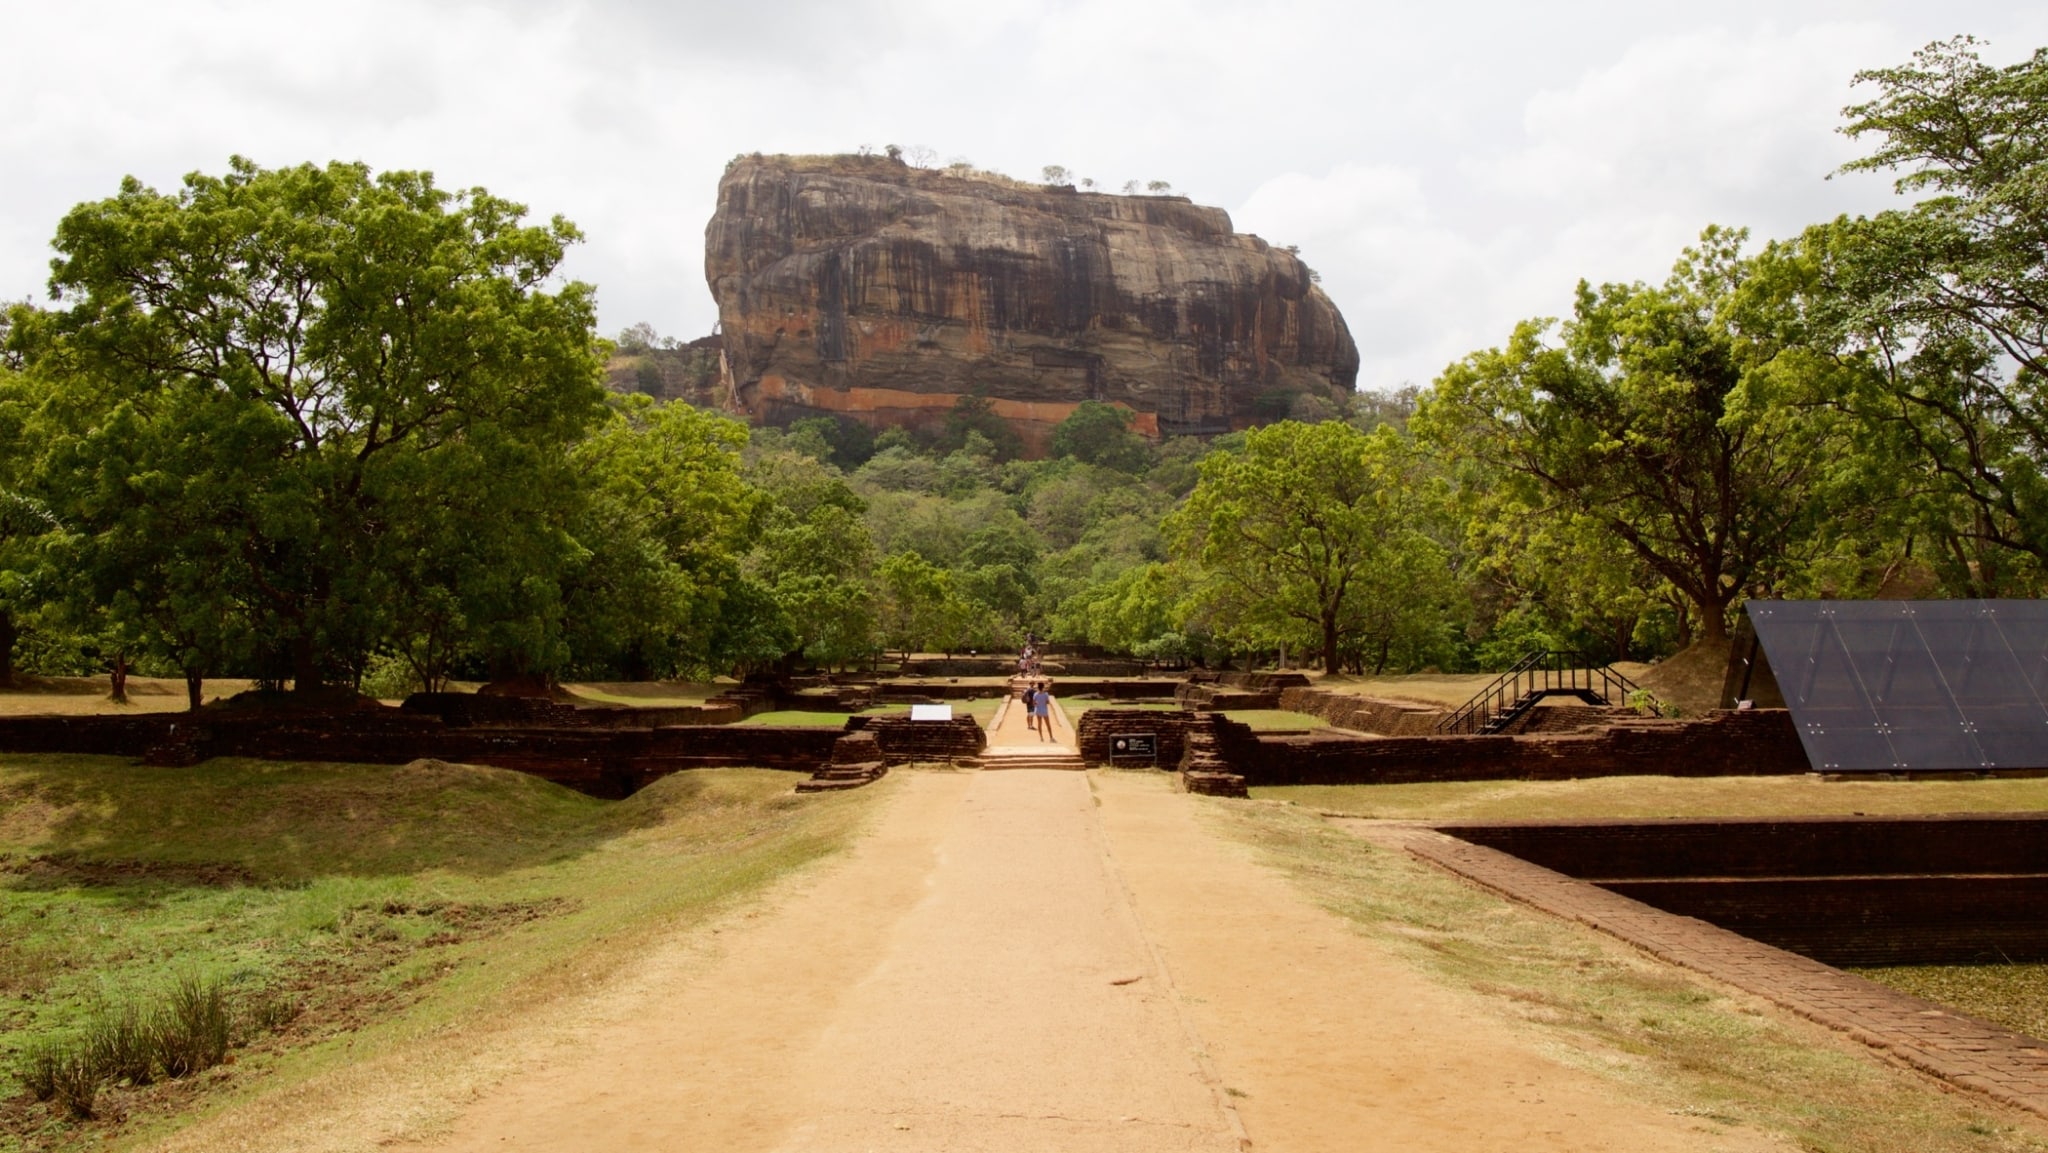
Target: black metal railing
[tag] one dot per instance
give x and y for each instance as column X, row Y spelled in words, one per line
column 1534, row 677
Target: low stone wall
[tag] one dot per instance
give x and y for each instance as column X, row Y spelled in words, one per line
column 1844, row 890
column 903, row 741
column 611, row 762
column 1754, row 743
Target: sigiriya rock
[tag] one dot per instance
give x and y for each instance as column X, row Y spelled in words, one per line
column 864, row 288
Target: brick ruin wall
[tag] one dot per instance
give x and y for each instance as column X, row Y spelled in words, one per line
column 1754, row 743
column 1099, row 726
column 903, row 741
column 601, row 761
column 1730, row 744
column 1842, row 890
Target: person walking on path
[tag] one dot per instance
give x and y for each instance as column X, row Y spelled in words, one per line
column 1041, row 707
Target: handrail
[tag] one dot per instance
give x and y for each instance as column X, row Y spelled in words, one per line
column 1537, row 675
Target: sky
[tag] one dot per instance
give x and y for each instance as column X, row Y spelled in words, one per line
column 1449, row 168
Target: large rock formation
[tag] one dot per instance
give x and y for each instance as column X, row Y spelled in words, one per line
column 864, row 288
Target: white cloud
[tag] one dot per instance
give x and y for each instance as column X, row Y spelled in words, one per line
column 1448, row 168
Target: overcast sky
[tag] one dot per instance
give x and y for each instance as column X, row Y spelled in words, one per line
column 1448, row 167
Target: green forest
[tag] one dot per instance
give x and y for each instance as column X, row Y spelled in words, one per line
column 324, row 426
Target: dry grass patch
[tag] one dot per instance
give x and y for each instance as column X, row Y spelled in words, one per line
column 1693, row 1048
column 87, row 696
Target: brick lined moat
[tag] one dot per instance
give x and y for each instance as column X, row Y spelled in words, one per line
column 2007, row 1066
column 1907, row 890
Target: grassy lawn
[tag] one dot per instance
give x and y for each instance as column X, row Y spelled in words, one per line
column 1662, row 797
column 1276, row 720
column 1076, row 708
column 2015, row 996
column 1725, row 1059
column 87, row 696
column 797, row 717
column 983, row 710
column 647, row 694
column 378, row 906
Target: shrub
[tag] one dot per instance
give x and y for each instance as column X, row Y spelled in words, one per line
column 194, row 1029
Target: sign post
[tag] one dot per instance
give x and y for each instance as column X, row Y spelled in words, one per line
column 1134, row 746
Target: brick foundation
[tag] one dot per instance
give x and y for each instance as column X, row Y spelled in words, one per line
column 606, row 762
column 1753, row 743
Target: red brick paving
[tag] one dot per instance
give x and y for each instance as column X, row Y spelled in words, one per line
column 2009, row 1067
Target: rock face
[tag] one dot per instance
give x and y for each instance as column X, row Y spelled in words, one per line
column 864, row 288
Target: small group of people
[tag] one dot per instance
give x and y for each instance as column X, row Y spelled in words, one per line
column 1038, row 709
column 1030, row 664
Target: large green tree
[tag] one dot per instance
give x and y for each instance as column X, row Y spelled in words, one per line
column 1687, row 420
column 1947, row 300
column 666, row 523
column 347, row 351
column 1316, row 532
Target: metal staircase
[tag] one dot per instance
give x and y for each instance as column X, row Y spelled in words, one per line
column 1535, row 677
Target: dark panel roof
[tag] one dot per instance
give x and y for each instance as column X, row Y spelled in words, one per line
column 1898, row 685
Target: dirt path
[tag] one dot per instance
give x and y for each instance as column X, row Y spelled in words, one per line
column 1033, row 960
column 1011, row 728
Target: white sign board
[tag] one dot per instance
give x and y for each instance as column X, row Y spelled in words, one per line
column 931, row 712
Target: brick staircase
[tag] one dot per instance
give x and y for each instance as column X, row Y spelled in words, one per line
column 1047, row 756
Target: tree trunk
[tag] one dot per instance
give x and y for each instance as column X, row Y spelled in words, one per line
column 1330, row 644
column 194, row 684
column 119, row 693
column 305, row 669
column 7, row 638
column 1714, row 622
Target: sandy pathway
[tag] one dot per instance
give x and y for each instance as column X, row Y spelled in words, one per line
column 984, row 972
column 1011, row 728
column 1326, row 1042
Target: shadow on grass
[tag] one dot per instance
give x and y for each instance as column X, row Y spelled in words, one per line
column 104, row 822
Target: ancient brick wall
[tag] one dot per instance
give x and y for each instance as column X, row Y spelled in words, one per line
column 1759, row 742
column 600, row 761
column 904, row 741
column 1098, row 726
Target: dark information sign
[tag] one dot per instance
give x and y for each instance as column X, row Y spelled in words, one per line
column 1144, row 745
column 1900, row 685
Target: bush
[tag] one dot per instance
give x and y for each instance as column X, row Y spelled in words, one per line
column 390, row 677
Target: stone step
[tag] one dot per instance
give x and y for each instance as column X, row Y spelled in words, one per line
column 1031, row 760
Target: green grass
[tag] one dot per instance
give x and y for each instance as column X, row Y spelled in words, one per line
column 1276, row 720
column 1662, row 797
column 386, row 903
column 1077, row 708
column 797, row 717
column 1674, row 1040
column 983, row 710
column 2012, row 995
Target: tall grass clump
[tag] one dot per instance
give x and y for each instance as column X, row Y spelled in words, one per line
column 189, row 1029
